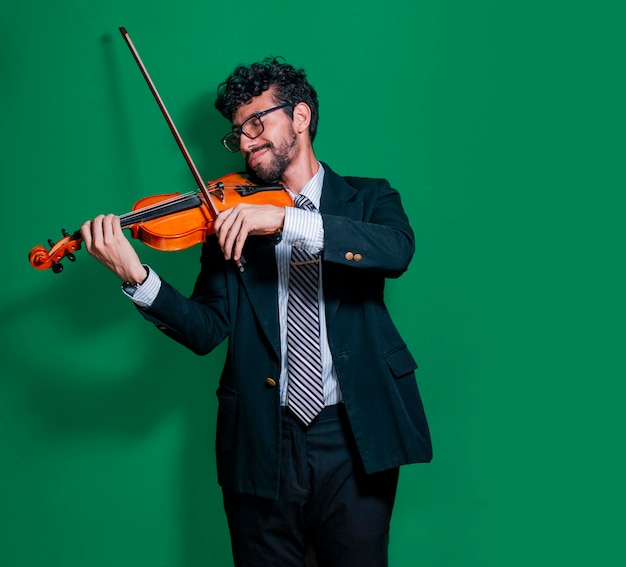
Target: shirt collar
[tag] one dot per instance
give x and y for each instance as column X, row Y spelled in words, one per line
column 312, row 189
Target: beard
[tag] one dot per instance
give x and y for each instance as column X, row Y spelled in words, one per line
column 280, row 158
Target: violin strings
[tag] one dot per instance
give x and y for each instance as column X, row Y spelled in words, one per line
column 163, row 208
column 177, row 204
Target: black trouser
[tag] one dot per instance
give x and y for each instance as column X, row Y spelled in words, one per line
column 326, row 500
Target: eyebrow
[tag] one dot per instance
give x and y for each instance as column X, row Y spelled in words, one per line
column 235, row 126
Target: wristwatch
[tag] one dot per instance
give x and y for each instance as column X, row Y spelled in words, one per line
column 131, row 287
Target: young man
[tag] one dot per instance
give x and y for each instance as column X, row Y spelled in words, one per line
column 318, row 404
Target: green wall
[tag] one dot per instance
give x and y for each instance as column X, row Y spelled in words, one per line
column 502, row 124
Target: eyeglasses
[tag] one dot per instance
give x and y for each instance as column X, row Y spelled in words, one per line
column 251, row 127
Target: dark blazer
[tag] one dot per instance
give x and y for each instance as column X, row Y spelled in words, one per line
column 367, row 239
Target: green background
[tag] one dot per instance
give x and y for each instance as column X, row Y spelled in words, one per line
column 502, row 125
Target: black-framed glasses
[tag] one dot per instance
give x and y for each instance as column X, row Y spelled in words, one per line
column 251, row 127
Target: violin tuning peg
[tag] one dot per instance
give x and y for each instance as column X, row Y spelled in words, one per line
column 64, row 232
column 70, row 257
column 50, row 242
column 57, row 267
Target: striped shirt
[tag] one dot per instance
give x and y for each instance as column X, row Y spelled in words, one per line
column 302, row 229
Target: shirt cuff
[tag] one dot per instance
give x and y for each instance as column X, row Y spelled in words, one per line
column 145, row 294
column 303, row 229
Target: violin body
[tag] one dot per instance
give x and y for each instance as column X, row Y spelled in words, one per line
column 174, row 221
column 192, row 226
column 188, row 228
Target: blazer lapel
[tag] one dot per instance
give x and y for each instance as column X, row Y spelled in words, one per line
column 337, row 199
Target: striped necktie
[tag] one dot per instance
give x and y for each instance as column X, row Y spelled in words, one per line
column 305, row 390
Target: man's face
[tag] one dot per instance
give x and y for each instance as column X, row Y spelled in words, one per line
column 267, row 156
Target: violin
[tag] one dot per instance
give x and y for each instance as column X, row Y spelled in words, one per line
column 172, row 221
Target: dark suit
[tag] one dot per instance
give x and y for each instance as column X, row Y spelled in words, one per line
column 367, row 239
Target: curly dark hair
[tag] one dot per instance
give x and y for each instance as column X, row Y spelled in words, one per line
column 246, row 82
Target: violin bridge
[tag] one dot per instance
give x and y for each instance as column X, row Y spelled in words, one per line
column 219, row 192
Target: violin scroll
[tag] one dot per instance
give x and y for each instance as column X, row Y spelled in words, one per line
column 43, row 259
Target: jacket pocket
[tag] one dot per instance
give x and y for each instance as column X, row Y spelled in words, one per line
column 226, row 430
column 401, row 362
column 224, row 391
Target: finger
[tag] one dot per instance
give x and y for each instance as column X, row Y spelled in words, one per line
column 223, row 225
column 85, row 232
column 234, row 235
column 96, row 232
column 240, row 239
column 107, row 229
column 227, row 224
column 221, row 217
column 117, row 226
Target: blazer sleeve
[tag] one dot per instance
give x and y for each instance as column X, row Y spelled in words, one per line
column 201, row 321
column 370, row 230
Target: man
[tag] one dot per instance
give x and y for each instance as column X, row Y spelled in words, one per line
column 318, row 404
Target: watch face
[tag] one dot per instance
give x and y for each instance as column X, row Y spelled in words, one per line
column 130, row 288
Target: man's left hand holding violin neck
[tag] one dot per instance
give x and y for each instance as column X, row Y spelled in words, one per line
column 105, row 240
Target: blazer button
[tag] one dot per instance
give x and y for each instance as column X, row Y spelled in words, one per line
column 270, row 382
column 349, row 256
column 358, row 257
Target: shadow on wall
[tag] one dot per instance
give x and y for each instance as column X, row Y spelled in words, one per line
column 82, row 371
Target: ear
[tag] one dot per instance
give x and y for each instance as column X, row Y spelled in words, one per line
column 301, row 117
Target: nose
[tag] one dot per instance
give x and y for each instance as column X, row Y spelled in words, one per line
column 245, row 145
